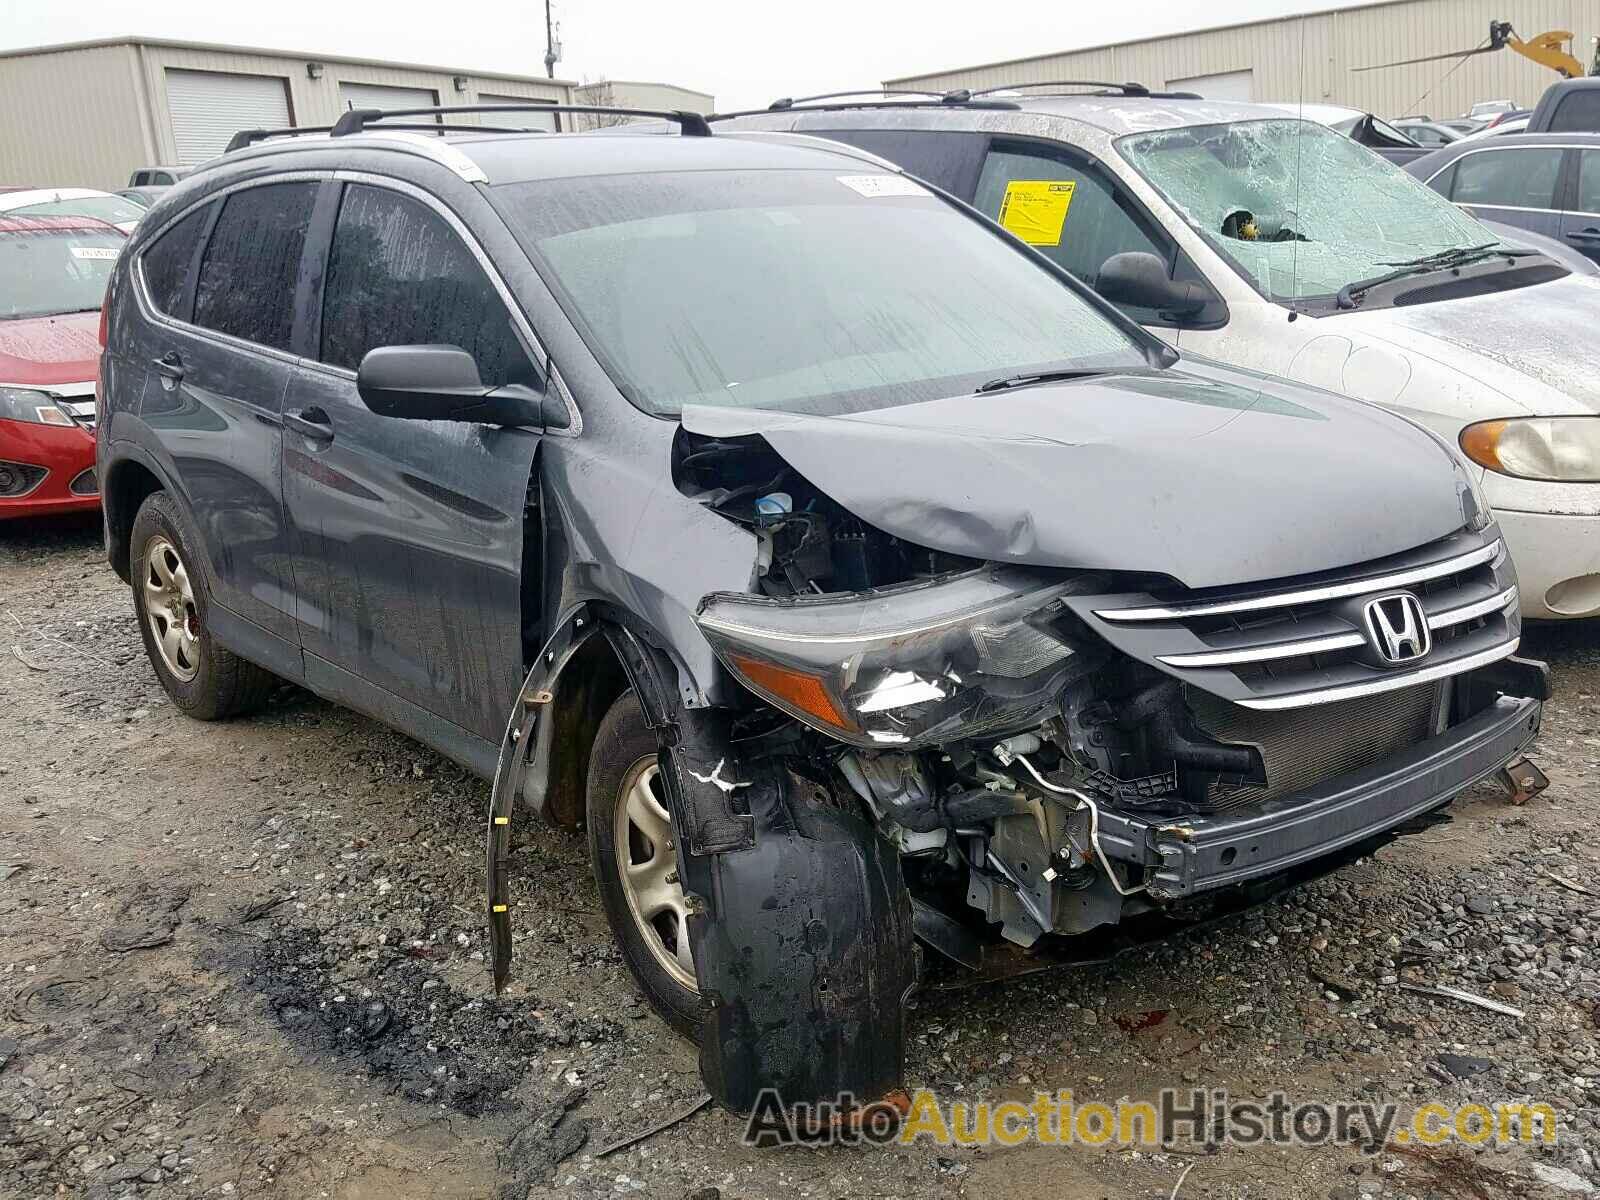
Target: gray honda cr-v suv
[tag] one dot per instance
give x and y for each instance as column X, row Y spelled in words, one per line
column 859, row 577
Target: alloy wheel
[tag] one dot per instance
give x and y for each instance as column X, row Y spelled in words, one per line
column 648, row 867
column 170, row 609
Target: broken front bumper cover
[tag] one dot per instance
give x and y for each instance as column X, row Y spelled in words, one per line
column 1199, row 854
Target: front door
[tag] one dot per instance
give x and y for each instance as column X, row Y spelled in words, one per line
column 408, row 536
column 215, row 391
column 1580, row 224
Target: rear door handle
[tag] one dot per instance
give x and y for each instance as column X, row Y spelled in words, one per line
column 1584, row 235
column 312, row 422
column 170, row 366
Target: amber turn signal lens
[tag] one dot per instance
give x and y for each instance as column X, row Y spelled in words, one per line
column 1481, row 443
column 793, row 688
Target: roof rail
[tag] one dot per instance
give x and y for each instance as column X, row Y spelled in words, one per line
column 247, row 137
column 959, row 98
column 1127, row 89
column 691, row 124
column 790, row 101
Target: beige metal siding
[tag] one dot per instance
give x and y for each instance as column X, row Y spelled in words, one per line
column 72, row 119
column 1313, row 58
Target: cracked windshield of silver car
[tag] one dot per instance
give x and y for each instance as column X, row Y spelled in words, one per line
column 1300, row 209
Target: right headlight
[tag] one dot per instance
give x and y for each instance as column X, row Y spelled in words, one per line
column 36, row 408
column 907, row 667
column 1553, row 449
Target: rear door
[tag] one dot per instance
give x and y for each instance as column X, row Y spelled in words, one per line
column 1580, row 222
column 219, row 365
column 407, row 536
column 1513, row 184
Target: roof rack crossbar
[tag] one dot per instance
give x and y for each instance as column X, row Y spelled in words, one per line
column 691, row 124
column 944, row 101
column 1127, row 89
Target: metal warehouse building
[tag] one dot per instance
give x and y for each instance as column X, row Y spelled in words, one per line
column 1315, row 58
column 89, row 113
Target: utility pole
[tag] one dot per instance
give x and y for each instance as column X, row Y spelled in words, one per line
column 552, row 52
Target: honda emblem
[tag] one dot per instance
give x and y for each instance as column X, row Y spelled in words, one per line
column 1398, row 628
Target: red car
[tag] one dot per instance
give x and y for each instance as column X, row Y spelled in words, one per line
column 53, row 273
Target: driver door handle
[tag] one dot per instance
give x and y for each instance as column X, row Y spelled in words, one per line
column 312, row 422
column 170, row 366
column 1590, row 234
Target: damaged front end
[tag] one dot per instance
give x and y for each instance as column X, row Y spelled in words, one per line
column 995, row 759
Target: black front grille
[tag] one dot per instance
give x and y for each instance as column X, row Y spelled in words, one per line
column 1305, row 746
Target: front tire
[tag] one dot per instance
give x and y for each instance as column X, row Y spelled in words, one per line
column 170, row 599
column 632, row 848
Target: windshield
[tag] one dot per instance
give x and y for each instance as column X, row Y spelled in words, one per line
column 810, row 291
column 44, row 272
column 1295, row 234
column 115, row 209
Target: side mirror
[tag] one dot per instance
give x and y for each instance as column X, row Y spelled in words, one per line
column 1139, row 278
column 440, row 383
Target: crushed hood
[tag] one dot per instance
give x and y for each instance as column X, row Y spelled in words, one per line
column 1204, row 473
column 1543, row 334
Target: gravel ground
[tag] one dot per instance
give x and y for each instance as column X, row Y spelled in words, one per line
column 246, row 959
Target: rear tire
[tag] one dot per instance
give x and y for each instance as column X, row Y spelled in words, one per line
column 171, row 602
column 632, row 849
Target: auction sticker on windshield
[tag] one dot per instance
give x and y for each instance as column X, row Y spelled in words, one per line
column 883, row 185
column 1036, row 209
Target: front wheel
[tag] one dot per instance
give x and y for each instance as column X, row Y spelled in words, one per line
column 633, row 850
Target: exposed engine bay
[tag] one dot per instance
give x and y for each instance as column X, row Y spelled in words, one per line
column 1009, row 754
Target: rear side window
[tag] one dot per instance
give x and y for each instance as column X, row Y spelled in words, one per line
column 166, row 262
column 247, row 275
column 1508, row 178
column 399, row 276
column 1578, row 113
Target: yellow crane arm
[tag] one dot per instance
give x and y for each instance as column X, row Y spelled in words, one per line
column 1549, row 50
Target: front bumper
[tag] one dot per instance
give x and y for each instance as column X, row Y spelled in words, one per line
column 63, row 452
column 1558, row 562
column 1203, row 853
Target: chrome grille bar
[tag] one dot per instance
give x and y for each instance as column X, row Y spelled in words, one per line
column 1255, row 654
column 1469, row 612
column 1387, row 683
column 1311, row 595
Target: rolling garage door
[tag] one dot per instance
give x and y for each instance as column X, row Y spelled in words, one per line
column 372, row 95
column 209, row 107
column 530, row 120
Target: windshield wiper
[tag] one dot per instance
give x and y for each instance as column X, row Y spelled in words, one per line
column 1444, row 260
column 1030, row 378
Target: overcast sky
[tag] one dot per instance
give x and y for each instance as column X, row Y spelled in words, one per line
column 743, row 53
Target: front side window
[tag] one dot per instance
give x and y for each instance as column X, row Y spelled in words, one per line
column 1300, row 210
column 1589, row 182
column 47, row 272
column 247, row 274
column 398, row 276
column 166, row 262
column 806, row 290
column 1523, row 178
column 1063, row 209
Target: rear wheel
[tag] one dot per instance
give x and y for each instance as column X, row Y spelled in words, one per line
column 633, row 849
column 205, row 680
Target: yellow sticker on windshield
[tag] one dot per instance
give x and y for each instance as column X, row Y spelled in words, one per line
column 1036, row 209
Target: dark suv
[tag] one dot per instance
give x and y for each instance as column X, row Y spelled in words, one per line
column 858, row 576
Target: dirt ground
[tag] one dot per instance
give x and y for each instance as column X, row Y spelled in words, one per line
column 246, row 959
